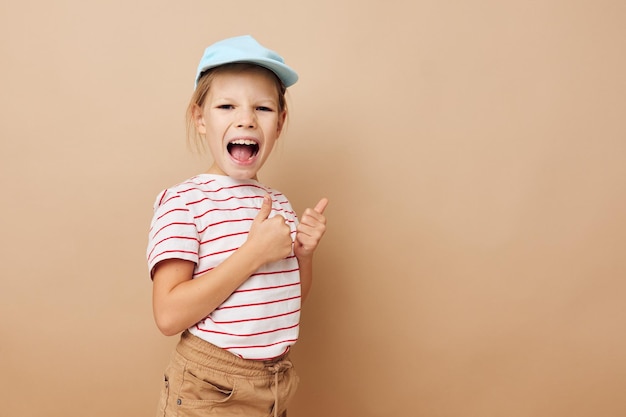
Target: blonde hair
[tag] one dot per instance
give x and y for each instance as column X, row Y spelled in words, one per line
column 202, row 89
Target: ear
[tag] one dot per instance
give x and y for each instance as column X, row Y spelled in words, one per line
column 281, row 121
column 198, row 119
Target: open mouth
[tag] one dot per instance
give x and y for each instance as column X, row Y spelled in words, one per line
column 243, row 150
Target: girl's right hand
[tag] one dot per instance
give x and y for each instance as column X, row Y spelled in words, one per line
column 180, row 300
column 270, row 237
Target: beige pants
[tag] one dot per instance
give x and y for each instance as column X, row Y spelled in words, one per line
column 204, row 380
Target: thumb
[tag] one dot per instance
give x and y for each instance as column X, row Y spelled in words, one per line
column 266, row 209
column 321, row 205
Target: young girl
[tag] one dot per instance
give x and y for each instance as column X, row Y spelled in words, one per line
column 230, row 262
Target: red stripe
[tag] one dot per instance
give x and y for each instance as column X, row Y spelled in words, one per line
column 168, row 212
column 270, row 288
column 241, row 208
column 223, row 237
column 217, row 200
column 280, row 271
column 163, row 193
column 218, row 253
column 277, row 272
column 260, row 346
column 254, row 318
column 249, row 334
column 172, row 224
column 226, row 209
column 168, row 238
column 258, row 304
column 223, row 222
column 169, row 199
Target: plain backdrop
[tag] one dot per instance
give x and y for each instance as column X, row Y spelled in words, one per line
column 474, row 155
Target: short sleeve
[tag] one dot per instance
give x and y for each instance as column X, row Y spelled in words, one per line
column 173, row 233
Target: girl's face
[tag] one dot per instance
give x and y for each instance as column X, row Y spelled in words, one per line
column 240, row 121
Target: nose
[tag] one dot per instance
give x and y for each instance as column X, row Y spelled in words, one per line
column 246, row 119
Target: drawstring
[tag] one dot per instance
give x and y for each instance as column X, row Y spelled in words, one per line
column 277, row 368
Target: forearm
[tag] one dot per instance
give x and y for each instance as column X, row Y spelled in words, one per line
column 184, row 304
column 309, row 232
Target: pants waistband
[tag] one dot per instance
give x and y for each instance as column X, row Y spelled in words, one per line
column 204, row 353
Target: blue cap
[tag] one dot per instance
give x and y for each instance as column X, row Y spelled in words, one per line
column 245, row 49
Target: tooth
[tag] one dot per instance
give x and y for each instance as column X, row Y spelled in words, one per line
column 243, row 142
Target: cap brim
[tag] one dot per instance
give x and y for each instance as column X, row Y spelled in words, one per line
column 286, row 75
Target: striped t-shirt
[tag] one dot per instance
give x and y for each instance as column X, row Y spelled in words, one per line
column 204, row 220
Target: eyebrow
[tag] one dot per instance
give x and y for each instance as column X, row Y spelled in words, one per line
column 261, row 100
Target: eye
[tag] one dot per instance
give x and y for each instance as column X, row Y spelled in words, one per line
column 225, row 106
column 264, row 108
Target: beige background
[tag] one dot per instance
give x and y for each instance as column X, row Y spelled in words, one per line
column 474, row 153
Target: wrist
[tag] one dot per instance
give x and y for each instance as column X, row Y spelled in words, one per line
column 305, row 259
column 251, row 255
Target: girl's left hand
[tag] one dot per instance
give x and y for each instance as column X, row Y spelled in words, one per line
column 310, row 230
